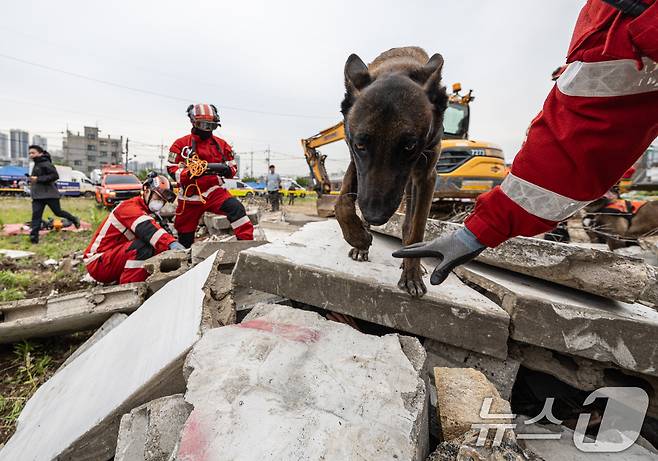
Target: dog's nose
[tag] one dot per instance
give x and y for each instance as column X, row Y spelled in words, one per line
column 375, row 219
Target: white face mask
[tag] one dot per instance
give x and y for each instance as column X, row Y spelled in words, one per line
column 156, row 205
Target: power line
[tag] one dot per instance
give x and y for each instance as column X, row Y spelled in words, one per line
column 152, row 93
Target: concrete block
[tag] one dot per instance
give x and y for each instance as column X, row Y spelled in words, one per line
column 165, row 267
column 570, row 321
column 461, row 393
column 229, row 251
column 67, row 313
column 75, row 415
column 151, row 431
column 109, row 325
column 602, row 273
column 312, row 266
column 215, row 222
column 218, row 302
column 291, row 385
column 501, row 373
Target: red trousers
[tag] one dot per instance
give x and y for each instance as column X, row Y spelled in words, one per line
column 119, row 264
column 220, row 201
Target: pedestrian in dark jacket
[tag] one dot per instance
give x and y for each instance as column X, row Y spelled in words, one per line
column 44, row 191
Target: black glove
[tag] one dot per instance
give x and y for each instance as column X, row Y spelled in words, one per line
column 220, row 169
column 453, row 250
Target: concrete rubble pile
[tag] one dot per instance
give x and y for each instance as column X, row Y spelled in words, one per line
column 230, row 357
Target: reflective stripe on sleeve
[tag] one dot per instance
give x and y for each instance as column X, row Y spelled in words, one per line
column 620, row 77
column 538, row 201
column 154, row 240
column 139, row 219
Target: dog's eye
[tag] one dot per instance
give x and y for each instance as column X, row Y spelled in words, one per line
column 359, row 146
column 411, row 145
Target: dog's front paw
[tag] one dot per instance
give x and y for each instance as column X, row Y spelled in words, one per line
column 358, row 255
column 411, row 281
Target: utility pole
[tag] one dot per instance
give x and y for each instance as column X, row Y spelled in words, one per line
column 251, row 154
column 267, row 158
column 161, row 157
column 126, row 165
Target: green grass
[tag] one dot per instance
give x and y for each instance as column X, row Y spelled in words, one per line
column 19, row 210
column 54, row 245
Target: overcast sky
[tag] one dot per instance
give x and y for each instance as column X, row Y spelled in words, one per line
column 273, row 68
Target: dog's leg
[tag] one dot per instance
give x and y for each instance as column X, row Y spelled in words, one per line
column 614, row 226
column 423, row 191
column 354, row 231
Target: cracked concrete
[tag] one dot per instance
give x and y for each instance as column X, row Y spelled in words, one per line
column 570, row 321
column 591, row 270
column 292, row 385
column 67, row 313
column 317, row 271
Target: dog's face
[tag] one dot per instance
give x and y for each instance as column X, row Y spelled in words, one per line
column 389, row 121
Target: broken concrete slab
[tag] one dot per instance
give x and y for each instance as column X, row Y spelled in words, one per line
column 165, row 267
column 564, row 449
column 466, row 448
column 75, row 415
column 109, row 325
column 67, row 313
column 570, row 321
column 151, row 431
column 501, row 373
column 602, row 273
column 292, row 385
column 299, row 219
column 16, row 254
column 229, row 250
column 312, row 266
column 461, row 395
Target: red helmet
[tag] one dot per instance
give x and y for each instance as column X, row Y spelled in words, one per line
column 160, row 186
column 203, row 116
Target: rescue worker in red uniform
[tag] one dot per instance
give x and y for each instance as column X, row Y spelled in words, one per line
column 130, row 235
column 598, row 119
column 199, row 194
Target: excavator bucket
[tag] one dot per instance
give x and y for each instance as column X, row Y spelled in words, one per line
column 326, row 204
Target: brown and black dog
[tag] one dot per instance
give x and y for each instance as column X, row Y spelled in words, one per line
column 617, row 225
column 393, row 113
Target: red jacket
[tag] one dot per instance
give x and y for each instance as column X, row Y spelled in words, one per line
column 212, row 150
column 129, row 220
column 604, row 33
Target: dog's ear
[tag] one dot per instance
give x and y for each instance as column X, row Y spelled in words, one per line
column 356, row 73
column 432, row 69
column 432, row 84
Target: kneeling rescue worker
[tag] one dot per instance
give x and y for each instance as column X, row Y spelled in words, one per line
column 130, row 235
column 198, row 162
column 597, row 120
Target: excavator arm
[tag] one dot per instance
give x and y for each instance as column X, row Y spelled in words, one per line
column 315, row 160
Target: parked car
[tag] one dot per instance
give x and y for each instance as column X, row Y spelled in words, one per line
column 238, row 188
column 115, row 188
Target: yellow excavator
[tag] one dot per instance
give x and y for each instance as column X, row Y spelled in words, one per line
column 466, row 168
